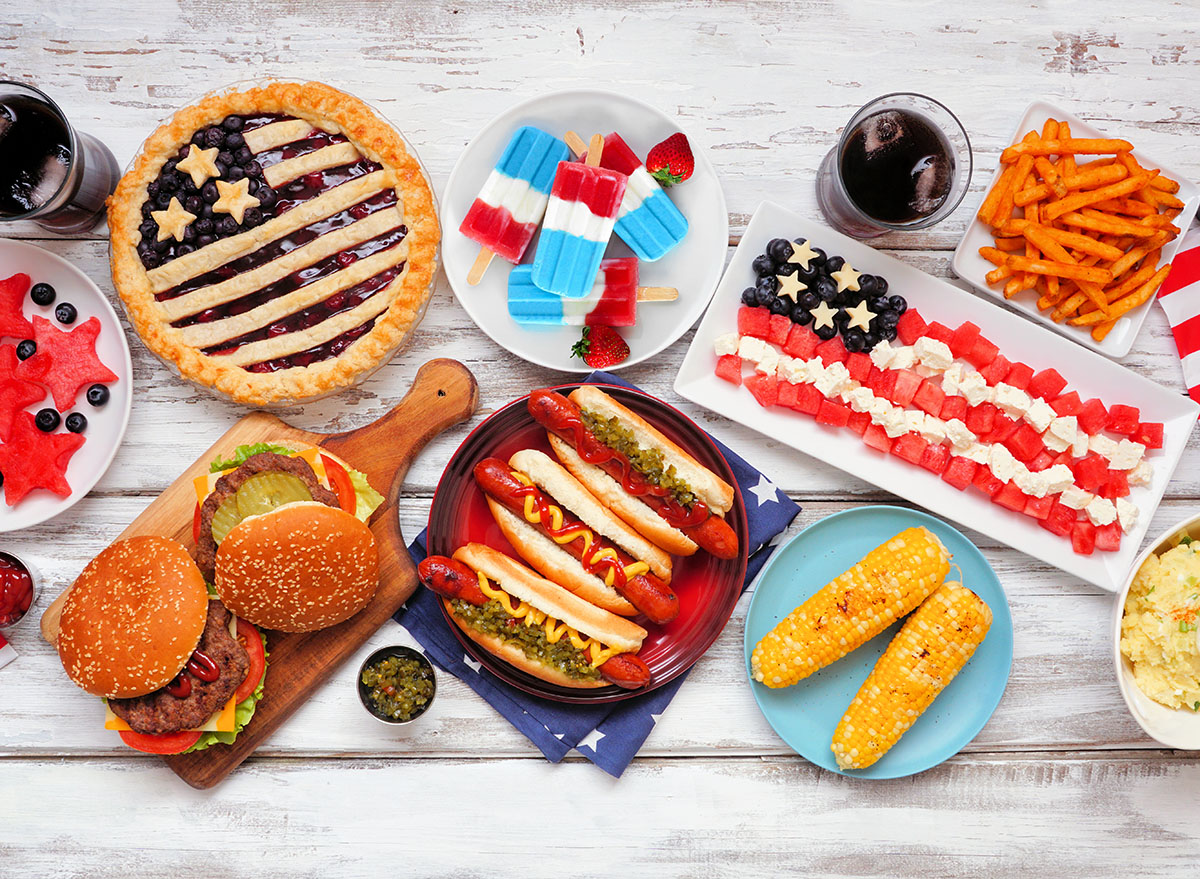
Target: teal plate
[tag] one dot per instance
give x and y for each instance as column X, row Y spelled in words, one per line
column 806, row 714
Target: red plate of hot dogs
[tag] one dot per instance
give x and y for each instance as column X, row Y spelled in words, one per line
column 672, row 562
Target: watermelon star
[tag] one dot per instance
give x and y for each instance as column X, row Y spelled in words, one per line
column 15, row 393
column 12, row 297
column 33, row 459
column 65, row 360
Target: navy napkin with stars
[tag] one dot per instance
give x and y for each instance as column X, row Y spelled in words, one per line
column 608, row 734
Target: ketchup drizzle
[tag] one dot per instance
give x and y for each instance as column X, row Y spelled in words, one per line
column 202, row 666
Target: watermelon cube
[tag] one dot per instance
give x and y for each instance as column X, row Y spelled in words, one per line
column 779, row 327
column 941, row 332
column 1091, row 472
column 959, row 472
column 964, row 339
column 833, row 414
column 995, row 372
column 1019, row 376
column 1042, row 461
column 859, row 422
column 752, row 321
column 1123, row 419
column 729, row 367
column 1083, row 537
column 935, row 458
column 787, row 394
column 981, row 418
column 1067, row 404
column 876, row 437
column 1149, row 434
column 910, row 327
column 859, row 366
column 907, row 384
column 930, row 397
column 910, row 447
column 1046, row 385
column 1060, row 521
column 874, row 377
column 1002, row 428
column 982, row 353
column 1117, row 485
column 954, row 407
column 1025, row 443
column 1011, row 497
column 1039, row 507
column 886, row 386
column 1065, row 458
column 986, row 482
column 832, row 351
column 801, row 342
column 1108, row 537
column 765, row 388
column 1092, row 417
column 808, row 399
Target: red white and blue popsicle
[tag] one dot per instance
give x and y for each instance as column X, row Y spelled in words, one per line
column 612, row 302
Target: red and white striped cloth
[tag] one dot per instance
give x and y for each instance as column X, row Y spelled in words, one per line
column 7, row 653
column 1180, row 298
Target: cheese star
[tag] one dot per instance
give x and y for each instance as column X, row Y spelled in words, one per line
column 235, row 199
column 172, row 221
column 822, row 315
column 790, row 286
column 200, row 164
column 861, row 317
column 802, row 254
column 847, row 278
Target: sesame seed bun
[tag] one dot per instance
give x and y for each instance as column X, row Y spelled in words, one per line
column 298, row 568
column 133, row 618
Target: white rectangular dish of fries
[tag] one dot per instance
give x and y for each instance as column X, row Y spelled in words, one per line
column 1098, row 227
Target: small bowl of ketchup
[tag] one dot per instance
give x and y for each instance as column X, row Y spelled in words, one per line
column 19, row 587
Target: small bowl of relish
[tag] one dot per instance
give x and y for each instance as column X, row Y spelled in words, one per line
column 396, row 684
column 19, row 588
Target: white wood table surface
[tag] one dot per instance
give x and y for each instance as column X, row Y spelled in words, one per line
column 1060, row 782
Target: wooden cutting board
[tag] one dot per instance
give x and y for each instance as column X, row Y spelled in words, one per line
column 443, row 393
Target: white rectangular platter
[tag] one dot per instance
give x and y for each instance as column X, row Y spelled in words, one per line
column 973, row 268
column 1087, row 373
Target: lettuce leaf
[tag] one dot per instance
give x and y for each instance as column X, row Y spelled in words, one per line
column 242, row 713
column 368, row 498
column 241, row 453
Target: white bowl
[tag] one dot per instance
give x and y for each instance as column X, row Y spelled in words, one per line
column 1174, row 727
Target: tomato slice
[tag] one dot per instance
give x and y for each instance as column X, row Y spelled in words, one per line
column 167, row 743
column 196, row 525
column 248, row 637
column 339, row 481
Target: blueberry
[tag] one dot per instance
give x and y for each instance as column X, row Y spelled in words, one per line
column 867, row 285
column 168, row 182
column 881, row 285
column 151, row 260
column 152, row 188
column 749, row 296
column 222, row 169
column 807, row 275
column 235, row 173
column 266, row 197
column 870, row 340
column 204, row 240
column 209, row 192
column 148, row 229
column 149, row 206
column 879, row 304
column 819, row 259
column 185, row 249
column 233, row 123
column 47, row 419
column 42, row 294
column 227, row 226
column 768, row 283
column 76, row 422
column 163, row 200
column 144, row 247
column 189, row 234
column 161, row 246
column 235, row 140
column 888, row 333
column 206, row 212
column 97, row 395
column 825, row 289
column 215, row 137
column 841, row 319
column 199, row 137
column 253, row 168
column 763, row 265
column 26, row 349
column 898, row 304
column 65, row 313
column 854, row 340
column 170, row 165
column 801, row 315
column 825, row 333
column 787, row 268
column 193, row 204
column 888, row 318
column 834, row 264
column 779, row 249
column 244, row 157
column 225, row 157
column 780, row 305
column 763, row 296
column 203, row 226
column 808, row 299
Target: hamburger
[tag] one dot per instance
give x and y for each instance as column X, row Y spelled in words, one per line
column 179, row 672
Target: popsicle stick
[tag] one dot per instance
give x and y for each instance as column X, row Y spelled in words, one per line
column 657, row 294
column 578, row 147
column 595, row 151
column 480, row 266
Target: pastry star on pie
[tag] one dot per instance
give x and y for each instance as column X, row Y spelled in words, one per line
column 310, row 258
column 173, row 221
column 200, row 164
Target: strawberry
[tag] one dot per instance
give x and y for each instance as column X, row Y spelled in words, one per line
column 601, row 347
column 671, row 161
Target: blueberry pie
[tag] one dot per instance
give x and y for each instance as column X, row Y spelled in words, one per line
column 276, row 243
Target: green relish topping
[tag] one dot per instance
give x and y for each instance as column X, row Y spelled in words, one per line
column 493, row 619
column 648, row 462
column 401, row 687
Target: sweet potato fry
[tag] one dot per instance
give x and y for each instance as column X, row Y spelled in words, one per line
column 1101, row 331
column 1064, row 270
column 1083, row 199
column 1135, row 280
column 988, row 209
column 1067, row 307
column 1093, row 178
column 1107, row 224
column 1129, row 206
column 1126, row 303
column 1010, row 244
column 993, row 255
column 1134, row 254
column 996, row 275
column 1077, row 145
column 1039, row 234
column 1164, row 184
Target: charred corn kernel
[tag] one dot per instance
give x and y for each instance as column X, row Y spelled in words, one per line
column 893, row 579
column 929, row 650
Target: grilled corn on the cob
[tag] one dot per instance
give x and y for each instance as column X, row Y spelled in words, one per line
column 893, row 579
column 930, row 649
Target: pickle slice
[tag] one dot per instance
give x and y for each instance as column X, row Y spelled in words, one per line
column 266, row 491
column 225, row 518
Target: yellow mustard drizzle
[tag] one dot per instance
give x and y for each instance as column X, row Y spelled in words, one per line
column 533, row 517
column 554, row 629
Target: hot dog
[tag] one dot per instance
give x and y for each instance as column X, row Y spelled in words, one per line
column 566, row 534
column 633, row 469
column 522, row 618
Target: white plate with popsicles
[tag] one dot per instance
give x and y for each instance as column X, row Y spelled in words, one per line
column 693, row 266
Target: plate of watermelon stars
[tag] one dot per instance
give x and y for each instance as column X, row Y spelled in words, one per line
column 64, row 385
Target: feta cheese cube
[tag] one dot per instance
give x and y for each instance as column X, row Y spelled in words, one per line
column 1102, row 445
column 834, row 380
column 1101, row 511
column 903, row 357
column 880, row 409
column 751, row 348
column 860, row 399
column 815, row 369
column 794, row 370
column 1059, row 478
column 958, row 434
column 933, row 354
column 1064, row 428
column 1053, row 443
column 977, row 452
column 1002, row 463
column 894, row 423
column 934, row 429
column 881, row 354
column 1012, row 401
column 1079, row 447
column 1141, row 474
column 1127, row 514
column 726, row 344
column 1075, row 497
column 975, row 388
column 1126, row 455
column 1035, row 484
column 915, row 419
column 1040, row 414
column 769, row 362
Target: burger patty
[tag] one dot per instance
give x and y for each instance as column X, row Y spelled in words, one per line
column 160, row 712
column 227, row 486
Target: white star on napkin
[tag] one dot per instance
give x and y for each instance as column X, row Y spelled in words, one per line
column 590, row 740
column 765, row 491
column 472, row 664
